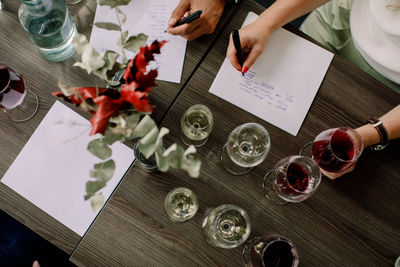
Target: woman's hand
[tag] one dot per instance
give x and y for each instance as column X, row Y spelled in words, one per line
column 206, row 24
column 253, row 39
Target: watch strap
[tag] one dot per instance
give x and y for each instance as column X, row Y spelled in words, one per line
column 378, row 125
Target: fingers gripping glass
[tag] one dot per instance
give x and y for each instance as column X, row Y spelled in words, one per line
column 336, row 150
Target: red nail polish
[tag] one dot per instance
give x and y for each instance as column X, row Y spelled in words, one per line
column 239, row 69
column 245, row 70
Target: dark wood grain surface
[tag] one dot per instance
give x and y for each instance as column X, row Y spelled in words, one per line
column 42, row 77
column 352, row 221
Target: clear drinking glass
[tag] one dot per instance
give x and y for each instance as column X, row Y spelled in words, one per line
column 226, row 226
column 336, row 150
column 17, row 102
column 148, row 165
column 247, row 146
column 181, row 204
column 196, row 125
column 293, row 179
column 270, row 251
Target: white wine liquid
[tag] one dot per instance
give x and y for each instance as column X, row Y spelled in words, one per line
column 196, row 125
column 248, row 147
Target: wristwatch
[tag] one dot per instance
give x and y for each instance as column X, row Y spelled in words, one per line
column 378, row 125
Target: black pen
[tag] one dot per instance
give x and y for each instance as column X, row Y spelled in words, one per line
column 238, row 47
column 195, row 15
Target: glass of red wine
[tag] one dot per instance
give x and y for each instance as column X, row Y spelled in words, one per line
column 336, row 150
column 270, row 251
column 293, row 179
column 17, row 102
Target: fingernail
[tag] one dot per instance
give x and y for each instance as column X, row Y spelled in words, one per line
column 239, row 69
column 171, row 21
column 245, row 70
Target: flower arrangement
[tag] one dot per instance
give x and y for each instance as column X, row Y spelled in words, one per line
column 121, row 110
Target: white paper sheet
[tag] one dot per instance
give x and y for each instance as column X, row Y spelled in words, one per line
column 280, row 87
column 151, row 18
column 53, row 167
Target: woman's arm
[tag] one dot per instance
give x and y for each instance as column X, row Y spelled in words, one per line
column 254, row 37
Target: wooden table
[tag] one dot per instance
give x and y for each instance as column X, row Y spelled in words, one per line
column 42, row 77
column 352, row 221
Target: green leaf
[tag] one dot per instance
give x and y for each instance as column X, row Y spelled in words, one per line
column 107, row 71
column 152, row 141
column 92, row 187
column 97, row 202
column 113, row 3
column 91, row 59
column 135, row 42
column 99, row 148
column 103, row 171
column 108, row 26
column 122, row 40
column 145, row 125
column 110, row 136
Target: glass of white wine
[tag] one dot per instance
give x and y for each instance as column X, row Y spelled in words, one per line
column 196, row 124
column 247, row 146
column 226, row 226
column 181, row 204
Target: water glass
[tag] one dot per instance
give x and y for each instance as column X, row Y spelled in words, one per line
column 293, row 179
column 17, row 102
column 246, row 147
column 226, row 226
column 270, row 251
column 196, row 125
column 148, row 165
column 336, row 150
column 181, row 204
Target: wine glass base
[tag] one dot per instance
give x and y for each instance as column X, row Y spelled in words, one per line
column 269, row 191
column 26, row 110
column 189, row 142
column 231, row 166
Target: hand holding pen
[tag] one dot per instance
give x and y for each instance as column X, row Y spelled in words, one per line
column 204, row 24
column 252, row 40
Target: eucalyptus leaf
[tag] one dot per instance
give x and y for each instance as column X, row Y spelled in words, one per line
column 97, row 201
column 145, row 125
column 103, row 171
column 152, row 141
column 100, row 148
column 110, row 136
column 110, row 59
column 108, row 26
column 93, row 186
column 91, row 59
column 113, row 3
column 135, row 42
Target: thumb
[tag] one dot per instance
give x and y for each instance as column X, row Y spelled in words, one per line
column 179, row 12
column 255, row 52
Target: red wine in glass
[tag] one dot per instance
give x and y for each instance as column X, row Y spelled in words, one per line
column 16, row 101
column 12, row 88
column 293, row 179
column 336, row 150
column 270, row 251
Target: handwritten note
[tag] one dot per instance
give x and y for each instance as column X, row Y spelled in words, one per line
column 53, row 167
column 151, row 18
column 281, row 85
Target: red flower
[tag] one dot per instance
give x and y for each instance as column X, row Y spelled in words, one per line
column 106, row 108
column 137, row 98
